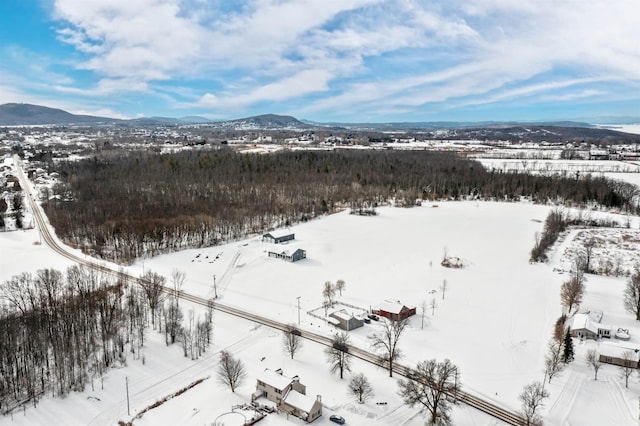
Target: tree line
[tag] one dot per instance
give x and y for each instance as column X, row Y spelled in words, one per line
column 120, row 206
column 62, row 330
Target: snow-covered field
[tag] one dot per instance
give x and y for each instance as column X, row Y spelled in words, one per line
column 494, row 320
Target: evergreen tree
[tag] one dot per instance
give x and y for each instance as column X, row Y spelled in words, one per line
column 567, row 355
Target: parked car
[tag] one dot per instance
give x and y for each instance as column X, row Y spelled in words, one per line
column 337, row 419
column 367, row 321
column 373, row 317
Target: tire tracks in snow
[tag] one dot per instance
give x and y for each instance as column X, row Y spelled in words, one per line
column 559, row 412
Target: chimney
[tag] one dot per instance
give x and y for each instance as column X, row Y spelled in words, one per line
column 319, row 398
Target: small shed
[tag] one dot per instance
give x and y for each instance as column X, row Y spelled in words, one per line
column 296, row 255
column 345, row 320
column 277, row 237
column 394, row 311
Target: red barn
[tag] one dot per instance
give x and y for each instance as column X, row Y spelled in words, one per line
column 395, row 311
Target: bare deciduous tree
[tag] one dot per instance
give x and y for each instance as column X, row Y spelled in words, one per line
column 338, row 353
column 423, row 310
column 291, row 340
column 572, row 291
column 173, row 317
column 231, row 371
column 629, row 358
column 632, row 294
column 428, row 387
column 386, row 342
column 443, row 287
column 532, row 397
column 360, row 388
column 593, row 359
column 553, row 361
column 153, row 285
column 340, row 285
column 558, row 328
column 329, row 292
column 177, row 279
column 589, row 245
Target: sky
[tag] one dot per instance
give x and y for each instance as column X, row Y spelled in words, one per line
column 326, row 61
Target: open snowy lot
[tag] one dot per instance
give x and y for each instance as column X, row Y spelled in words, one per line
column 493, row 321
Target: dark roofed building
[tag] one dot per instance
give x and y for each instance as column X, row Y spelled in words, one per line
column 344, row 320
column 395, row 311
column 298, row 254
column 277, row 237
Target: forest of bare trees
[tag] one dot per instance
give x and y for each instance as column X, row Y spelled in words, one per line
column 61, row 331
column 118, row 206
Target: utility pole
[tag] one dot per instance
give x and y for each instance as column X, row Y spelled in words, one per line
column 455, row 386
column 215, row 289
column 298, row 309
column 127, row 383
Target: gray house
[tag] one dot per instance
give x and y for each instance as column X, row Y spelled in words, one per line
column 277, row 237
column 298, row 254
column 288, row 394
column 274, row 386
column 344, row 320
column 302, row 406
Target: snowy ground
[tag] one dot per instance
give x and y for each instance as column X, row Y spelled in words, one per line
column 494, row 322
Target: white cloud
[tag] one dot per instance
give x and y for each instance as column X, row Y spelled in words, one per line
column 303, row 83
column 405, row 54
column 141, row 39
column 101, row 112
column 503, row 45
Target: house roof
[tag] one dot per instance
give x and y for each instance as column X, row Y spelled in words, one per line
column 584, row 322
column 288, row 252
column 392, row 307
column 300, row 401
column 594, row 314
column 279, row 233
column 342, row 314
column 333, row 320
column 276, row 380
column 617, row 351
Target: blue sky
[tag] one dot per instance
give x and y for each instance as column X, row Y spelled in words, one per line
column 325, row 60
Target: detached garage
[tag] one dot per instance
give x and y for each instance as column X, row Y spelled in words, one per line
column 277, row 237
column 395, row 311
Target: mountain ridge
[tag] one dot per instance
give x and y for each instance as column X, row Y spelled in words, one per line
column 22, row 114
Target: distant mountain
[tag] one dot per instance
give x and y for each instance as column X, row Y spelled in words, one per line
column 170, row 120
column 26, row 114
column 268, row 121
column 431, row 125
column 194, row 119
